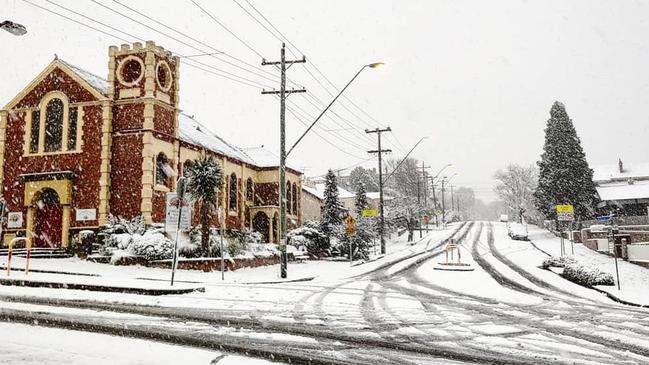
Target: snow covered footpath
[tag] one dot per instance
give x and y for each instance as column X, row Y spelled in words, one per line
column 26, row 345
column 634, row 279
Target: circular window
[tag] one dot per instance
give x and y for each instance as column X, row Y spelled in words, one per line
column 163, row 75
column 130, row 71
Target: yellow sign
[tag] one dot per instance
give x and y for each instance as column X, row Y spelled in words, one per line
column 368, row 212
column 349, row 222
column 567, row 208
column 438, row 212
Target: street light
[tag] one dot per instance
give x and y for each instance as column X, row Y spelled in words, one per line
column 400, row 162
column 282, row 167
column 370, row 65
column 13, row 28
column 442, row 169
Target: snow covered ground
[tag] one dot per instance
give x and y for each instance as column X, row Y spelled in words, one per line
column 27, row 345
column 634, row 279
column 389, row 311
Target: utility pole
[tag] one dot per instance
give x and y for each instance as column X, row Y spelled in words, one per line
column 283, row 94
column 435, row 204
column 380, row 152
column 425, row 206
column 443, row 204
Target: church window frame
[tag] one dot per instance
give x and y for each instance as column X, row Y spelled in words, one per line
column 163, row 66
column 124, row 62
column 163, row 179
column 38, row 121
column 233, row 193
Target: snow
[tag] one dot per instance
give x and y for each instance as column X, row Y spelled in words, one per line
column 624, row 190
column 97, row 82
column 26, row 345
column 192, row 131
column 603, row 173
column 263, row 157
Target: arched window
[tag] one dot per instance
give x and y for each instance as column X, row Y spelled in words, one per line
column 289, row 205
column 186, row 166
column 233, row 192
column 54, row 125
column 163, row 171
column 295, row 199
column 250, row 190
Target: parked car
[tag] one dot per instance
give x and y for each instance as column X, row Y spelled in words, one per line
column 517, row 231
column 504, row 218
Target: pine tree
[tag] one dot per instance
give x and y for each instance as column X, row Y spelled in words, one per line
column 332, row 209
column 564, row 175
column 360, row 202
column 204, row 180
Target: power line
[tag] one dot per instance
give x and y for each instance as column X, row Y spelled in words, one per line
column 181, row 41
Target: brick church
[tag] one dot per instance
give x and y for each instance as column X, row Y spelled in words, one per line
column 75, row 147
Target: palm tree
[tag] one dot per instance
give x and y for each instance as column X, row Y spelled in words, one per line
column 204, row 180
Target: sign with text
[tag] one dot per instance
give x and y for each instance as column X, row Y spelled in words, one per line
column 85, row 215
column 15, row 220
column 368, row 212
column 173, row 208
column 565, row 212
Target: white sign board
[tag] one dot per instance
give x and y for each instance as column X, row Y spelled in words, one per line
column 85, row 214
column 15, row 220
column 172, row 210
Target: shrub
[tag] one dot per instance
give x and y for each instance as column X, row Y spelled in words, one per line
column 554, row 261
column 587, row 276
column 311, row 237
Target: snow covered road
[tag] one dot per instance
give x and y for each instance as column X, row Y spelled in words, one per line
column 507, row 311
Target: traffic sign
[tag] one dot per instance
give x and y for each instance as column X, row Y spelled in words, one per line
column 438, row 212
column 349, row 225
column 368, row 212
column 565, row 212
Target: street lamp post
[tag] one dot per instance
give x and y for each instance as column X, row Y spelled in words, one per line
column 13, row 28
column 284, row 155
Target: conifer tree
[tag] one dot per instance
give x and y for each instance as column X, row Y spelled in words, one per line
column 564, row 175
column 332, row 209
column 360, row 202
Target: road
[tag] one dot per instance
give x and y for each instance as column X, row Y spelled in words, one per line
column 398, row 313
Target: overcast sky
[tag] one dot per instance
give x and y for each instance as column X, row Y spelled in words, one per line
column 477, row 77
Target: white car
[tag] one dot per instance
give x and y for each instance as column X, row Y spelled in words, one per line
column 504, row 218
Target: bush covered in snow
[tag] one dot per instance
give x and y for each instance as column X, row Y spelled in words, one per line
column 587, row 276
column 311, row 238
column 554, row 261
column 124, row 237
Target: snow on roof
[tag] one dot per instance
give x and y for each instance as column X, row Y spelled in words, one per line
column 612, row 171
column 313, row 191
column 193, row 132
column 98, row 83
column 375, row 195
column 263, row 157
column 320, row 188
column 624, row 191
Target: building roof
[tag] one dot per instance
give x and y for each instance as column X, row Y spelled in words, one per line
column 319, row 188
column 602, row 173
column 264, row 157
column 97, row 82
column 375, row 195
column 193, row 132
column 313, row 191
column 624, row 191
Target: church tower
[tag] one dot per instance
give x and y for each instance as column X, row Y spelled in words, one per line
column 143, row 85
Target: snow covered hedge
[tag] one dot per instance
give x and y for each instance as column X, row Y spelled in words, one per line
column 578, row 273
column 123, row 237
column 310, row 237
column 587, row 276
column 554, row 261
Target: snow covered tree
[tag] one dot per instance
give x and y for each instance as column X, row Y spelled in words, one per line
column 368, row 178
column 204, row 180
column 515, row 186
column 332, row 209
column 360, row 202
column 564, row 175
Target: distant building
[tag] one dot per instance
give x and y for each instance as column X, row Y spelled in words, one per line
column 623, row 187
column 313, row 199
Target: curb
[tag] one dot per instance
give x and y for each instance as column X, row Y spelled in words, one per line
column 100, row 288
column 280, row 282
column 50, row 271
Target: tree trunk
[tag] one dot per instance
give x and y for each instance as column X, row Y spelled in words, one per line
column 205, row 230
